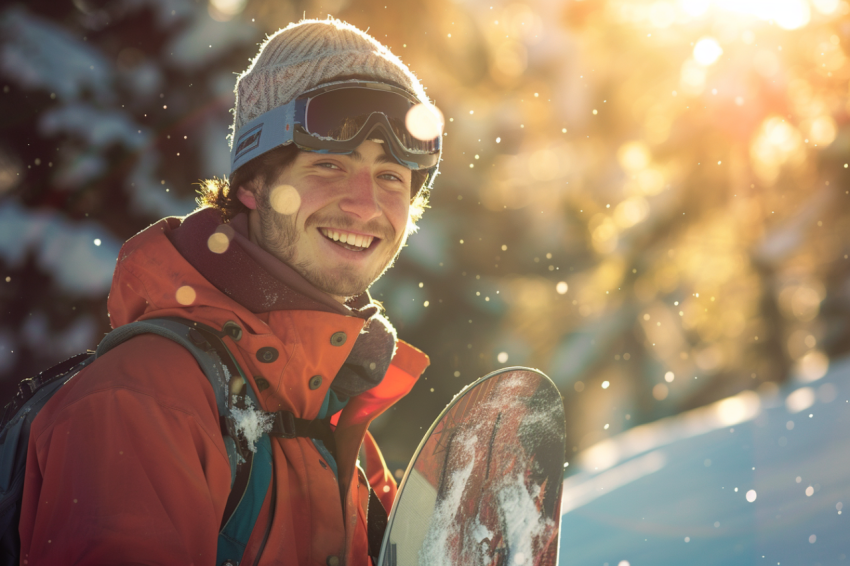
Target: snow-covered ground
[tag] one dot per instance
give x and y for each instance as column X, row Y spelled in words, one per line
column 752, row 479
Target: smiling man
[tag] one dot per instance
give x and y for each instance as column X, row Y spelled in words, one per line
column 334, row 148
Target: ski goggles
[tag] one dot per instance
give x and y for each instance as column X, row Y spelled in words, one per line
column 337, row 118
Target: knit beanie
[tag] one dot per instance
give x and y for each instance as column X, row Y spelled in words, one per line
column 307, row 54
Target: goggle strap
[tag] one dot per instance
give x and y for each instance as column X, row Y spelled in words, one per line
column 264, row 133
column 277, row 127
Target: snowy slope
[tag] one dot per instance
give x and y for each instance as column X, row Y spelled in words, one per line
column 753, row 479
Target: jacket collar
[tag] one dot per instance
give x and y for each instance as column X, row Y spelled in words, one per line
column 153, row 279
column 263, row 283
column 225, row 255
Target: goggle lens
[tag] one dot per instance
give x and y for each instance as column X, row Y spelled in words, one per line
column 339, row 114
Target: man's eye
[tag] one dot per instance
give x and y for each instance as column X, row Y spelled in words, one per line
column 327, row 165
column 392, row 177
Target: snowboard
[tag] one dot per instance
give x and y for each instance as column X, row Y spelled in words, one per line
column 484, row 485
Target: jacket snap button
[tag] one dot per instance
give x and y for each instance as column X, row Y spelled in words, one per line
column 267, row 355
column 338, row 338
column 333, row 561
column 315, row 383
column 262, row 383
column 233, row 330
column 196, row 337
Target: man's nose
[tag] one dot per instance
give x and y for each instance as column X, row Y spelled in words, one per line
column 361, row 198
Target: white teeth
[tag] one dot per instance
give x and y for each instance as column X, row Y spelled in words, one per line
column 357, row 240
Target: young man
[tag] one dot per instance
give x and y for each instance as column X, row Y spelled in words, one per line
column 127, row 462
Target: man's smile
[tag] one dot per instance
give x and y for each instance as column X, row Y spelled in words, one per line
column 349, row 240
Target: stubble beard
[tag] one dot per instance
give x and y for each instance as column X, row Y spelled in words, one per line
column 280, row 237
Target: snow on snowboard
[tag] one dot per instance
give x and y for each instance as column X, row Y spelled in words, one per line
column 484, row 485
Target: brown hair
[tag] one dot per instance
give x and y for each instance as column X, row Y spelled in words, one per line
column 220, row 193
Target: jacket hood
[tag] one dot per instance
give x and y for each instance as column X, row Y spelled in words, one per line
column 153, row 279
column 197, row 253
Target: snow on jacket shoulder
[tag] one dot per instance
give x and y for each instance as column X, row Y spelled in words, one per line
column 127, row 464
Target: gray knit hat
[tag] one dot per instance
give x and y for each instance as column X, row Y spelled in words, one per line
column 307, row 54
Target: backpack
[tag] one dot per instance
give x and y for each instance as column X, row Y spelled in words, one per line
column 250, row 466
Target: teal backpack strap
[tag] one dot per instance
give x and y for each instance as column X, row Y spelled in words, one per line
column 193, row 337
column 180, row 332
column 251, row 473
column 248, row 492
column 235, row 533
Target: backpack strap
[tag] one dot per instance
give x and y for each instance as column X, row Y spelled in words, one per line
column 28, row 388
column 251, row 473
column 242, row 514
column 178, row 331
column 189, row 335
column 287, row 425
column 20, row 412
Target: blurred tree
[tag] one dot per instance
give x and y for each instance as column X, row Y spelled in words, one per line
column 646, row 199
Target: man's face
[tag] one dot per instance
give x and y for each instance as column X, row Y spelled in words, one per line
column 338, row 220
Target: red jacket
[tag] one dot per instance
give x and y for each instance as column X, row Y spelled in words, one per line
column 126, row 463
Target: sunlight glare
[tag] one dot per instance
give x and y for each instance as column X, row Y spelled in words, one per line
column 812, row 366
column 218, row 243
column 186, row 295
column 826, row 7
column 800, row 400
column 662, row 14
column 650, row 181
column 545, row 164
column 285, row 199
column 695, row 7
column 631, row 211
column 823, row 130
column 791, row 14
column 633, row 156
column 741, row 407
column 692, row 79
column 730, row 411
column 707, row 51
column 226, row 9
column 424, row 122
column 605, row 237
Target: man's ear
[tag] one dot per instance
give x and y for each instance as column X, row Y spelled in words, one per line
column 247, row 198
